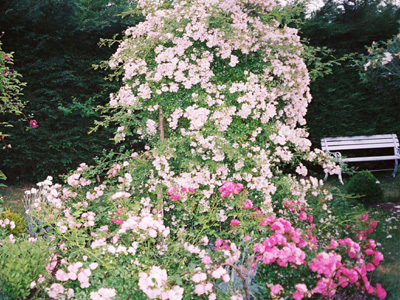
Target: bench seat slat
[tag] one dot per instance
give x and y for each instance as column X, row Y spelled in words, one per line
column 371, row 158
column 360, row 137
column 374, row 141
column 367, row 146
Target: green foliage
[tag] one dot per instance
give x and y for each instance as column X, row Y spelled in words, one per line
column 381, row 67
column 21, row 263
column 10, row 85
column 57, row 44
column 20, row 223
column 366, row 185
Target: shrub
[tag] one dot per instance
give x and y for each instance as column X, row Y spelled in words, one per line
column 216, row 91
column 366, row 185
column 19, row 221
column 21, row 262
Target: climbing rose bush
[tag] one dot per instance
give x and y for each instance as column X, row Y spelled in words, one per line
column 220, row 205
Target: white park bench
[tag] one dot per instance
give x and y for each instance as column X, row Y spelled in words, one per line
column 333, row 145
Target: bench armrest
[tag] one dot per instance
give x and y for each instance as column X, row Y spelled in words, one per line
column 336, row 155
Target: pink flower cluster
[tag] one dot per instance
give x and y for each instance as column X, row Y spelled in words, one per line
column 283, row 246
column 103, row 294
column 154, row 285
column 176, row 195
column 338, row 274
column 229, row 188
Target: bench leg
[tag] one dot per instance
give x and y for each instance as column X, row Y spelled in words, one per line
column 396, row 162
column 326, row 176
column 340, row 177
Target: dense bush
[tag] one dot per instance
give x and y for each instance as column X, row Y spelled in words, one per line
column 367, row 186
column 21, row 262
column 10, row 92
column 220, row 204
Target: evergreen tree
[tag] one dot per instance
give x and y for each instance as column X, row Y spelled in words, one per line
column 57, row 44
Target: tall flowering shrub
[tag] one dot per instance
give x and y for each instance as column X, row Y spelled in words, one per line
column 10, row 91
column 220, row 206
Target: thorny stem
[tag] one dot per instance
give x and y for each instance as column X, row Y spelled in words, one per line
column 241, row 277
column 162, row 137
column 330, row 279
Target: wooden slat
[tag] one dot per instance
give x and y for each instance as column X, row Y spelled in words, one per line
column 360, row 142
column 374, row 141
column 355, row 147
column 359, row 137
column 370, row 158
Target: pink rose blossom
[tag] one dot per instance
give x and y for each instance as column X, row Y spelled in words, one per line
column 235, row 222
column 380, row 291
column 33, row 124
column 206, row 260
column 275, row 289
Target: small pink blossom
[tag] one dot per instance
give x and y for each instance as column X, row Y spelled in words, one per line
column 303, row 216
column 380, row 291
column 297, row 296
column 175, row 197
column 275, row 289
column 206, row 260
column 235, row 222
column 33, row 124
column 55, row 289
column 61, row 275
column 248, row 204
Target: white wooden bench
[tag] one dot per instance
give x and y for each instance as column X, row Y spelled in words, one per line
column 333, row 145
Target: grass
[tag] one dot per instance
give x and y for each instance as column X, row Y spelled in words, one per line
column 387, row 233
column 14, row 198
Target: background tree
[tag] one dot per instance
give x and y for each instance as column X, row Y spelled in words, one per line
column 57, row 43
column 342, row 104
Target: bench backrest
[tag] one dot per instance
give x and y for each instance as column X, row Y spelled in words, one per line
column 360, row 142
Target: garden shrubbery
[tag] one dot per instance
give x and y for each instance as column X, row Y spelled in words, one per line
column 365, row 185
column 216, row 90
column 19, row 222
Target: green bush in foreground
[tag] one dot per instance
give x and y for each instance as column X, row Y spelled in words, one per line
column 21, row 262
column 366, row 185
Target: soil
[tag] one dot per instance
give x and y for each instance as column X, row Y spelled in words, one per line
column 392, row 207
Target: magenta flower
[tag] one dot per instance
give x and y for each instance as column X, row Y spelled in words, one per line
column 380, row 291
column 303, row 216
column 33, row 124
column 235, row 222
column 229, row 188
column 7, row 57
column 175, row 197
column 248, row 204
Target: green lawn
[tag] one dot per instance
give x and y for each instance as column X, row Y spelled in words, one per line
column 14, row 198
column 387, row 233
